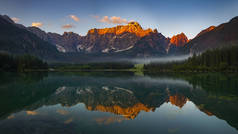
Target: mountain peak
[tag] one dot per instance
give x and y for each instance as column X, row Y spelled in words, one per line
column 135, row 24
column 182, row 34
column 235, row 19
column 69, row 33
column 215, row 37
column 179, row 39
column 132, row 27
column 7, row 18
column 206, row 30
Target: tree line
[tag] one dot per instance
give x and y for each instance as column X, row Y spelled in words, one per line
column 95, row 66
column 20, row 63
column 224, row 59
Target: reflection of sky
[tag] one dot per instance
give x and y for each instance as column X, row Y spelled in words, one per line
column 166, row 119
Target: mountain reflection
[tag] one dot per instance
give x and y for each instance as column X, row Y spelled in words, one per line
column 178, row 100
column 126, row 96
column 128, row 112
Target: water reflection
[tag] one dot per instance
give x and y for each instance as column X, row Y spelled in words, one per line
column 118, row 103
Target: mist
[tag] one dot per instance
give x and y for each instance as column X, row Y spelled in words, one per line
column 137, row 60
column 158, row 59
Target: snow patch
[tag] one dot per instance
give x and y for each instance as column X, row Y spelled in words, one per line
column 105, row 88
column 127, row 90
column 106, row 50
column 124, row 49
column 60, row 48
column 60, row 89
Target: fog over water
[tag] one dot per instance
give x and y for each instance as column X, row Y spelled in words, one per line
column 160, row 59
column 142, row 60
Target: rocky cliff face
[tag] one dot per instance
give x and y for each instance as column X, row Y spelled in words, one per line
column 153, row 44
column 176, row 44
column 38, row 32
column 132, row 27
column 115, row 39
column 68, row 41
column 179, row 40
column 64, row 43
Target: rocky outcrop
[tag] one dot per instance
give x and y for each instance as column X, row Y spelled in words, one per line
column 179, row 40
column 132, row 27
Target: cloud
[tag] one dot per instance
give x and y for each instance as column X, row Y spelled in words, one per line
column 16, row 20
column 67, row 26
column 113, row 20
column 36, row 24
column 75, row 18
column 105, row 19
column 118, row 20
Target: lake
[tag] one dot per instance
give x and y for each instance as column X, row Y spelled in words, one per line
column 118, row 103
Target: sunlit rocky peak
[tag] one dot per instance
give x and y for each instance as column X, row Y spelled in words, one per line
column 132, row 27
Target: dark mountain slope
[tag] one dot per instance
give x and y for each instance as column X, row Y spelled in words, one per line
column 152, row 45
column 17, row 40
column 65, row 43
column 221, row 36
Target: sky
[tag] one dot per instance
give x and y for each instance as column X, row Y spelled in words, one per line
column 169, row 17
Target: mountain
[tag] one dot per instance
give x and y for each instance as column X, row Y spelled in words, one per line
column 176, row 44
column 15, row 39
column 206, row 30
column 123, row 41
column 153, row 44
column 105, row 40
column 215, row 37
column 115, row 39
column 118, row 41
column 179, row 40
column 64, row 43
column 178, row 100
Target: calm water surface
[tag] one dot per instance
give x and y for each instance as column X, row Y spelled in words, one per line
column 118, row 103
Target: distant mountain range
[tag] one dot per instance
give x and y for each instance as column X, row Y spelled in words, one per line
column 109, row 40
column 123, row 41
